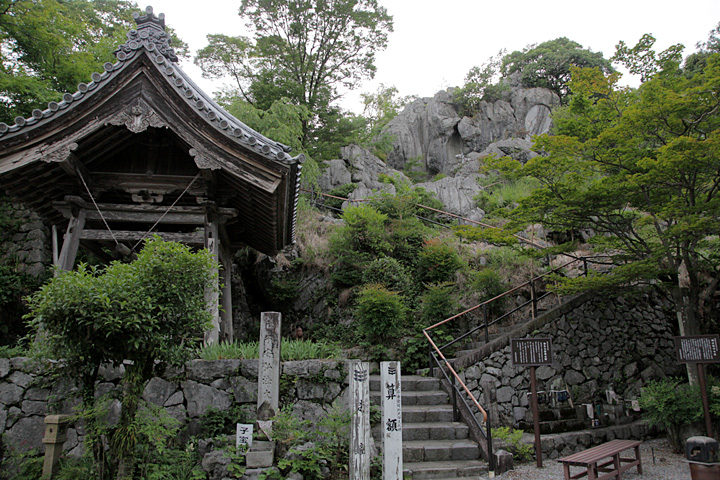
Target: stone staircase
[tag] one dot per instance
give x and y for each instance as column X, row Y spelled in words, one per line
column 434, row 446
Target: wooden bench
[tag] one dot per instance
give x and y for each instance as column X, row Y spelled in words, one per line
column 596, row 464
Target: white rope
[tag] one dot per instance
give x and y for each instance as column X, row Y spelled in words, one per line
column 166, row 211
column 97, row 208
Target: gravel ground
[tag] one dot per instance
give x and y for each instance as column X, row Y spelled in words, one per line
column 658, row 463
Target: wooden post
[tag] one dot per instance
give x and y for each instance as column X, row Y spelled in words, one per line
column 706, row 404
column 71, row 242
column 212, row 295
column 226, row 323
column 55, row 436
column 360, row 422
column 536, row 417
column 391, row 426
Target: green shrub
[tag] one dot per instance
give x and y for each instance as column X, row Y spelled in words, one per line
column 437, row 303
column 380, row 314
column 669, row 404
column 342, row 191
column 215, row 422
column 329, row 448
column 290, row 350
column 407, row 238
column 487, row 283
column 521, row 451
column 438, row 262
column 390, row 273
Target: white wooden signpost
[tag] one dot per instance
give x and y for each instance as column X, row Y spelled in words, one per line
column 244, row 435
column 360, row 424
column 391, row 401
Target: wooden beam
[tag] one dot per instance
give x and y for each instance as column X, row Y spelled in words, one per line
column 71, row 241
column 194, row 238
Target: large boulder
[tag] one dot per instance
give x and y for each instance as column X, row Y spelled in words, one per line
column 431, row 130
column 426, row 131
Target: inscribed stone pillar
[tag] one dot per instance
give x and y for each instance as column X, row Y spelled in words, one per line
column 269, row 367
column 360, row 424
column 391, row 403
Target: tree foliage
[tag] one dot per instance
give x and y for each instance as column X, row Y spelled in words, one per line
column 48, row 47
column 151, row 312
column 303, row 50
column 642, row 170
column 548, row 64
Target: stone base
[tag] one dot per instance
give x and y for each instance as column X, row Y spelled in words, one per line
column 261, row 454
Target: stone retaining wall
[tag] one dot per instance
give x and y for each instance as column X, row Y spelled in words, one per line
column 599, row 342
column 26, row 245
column 27, row 393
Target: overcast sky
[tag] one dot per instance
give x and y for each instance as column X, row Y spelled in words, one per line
column 436, row 42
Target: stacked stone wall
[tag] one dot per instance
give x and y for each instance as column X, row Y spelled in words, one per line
column 25, row 242
column 29, row 390
column 599, row 342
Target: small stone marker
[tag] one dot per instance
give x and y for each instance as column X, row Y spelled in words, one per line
column 269, row 366
column 391, row 401
column 360, row 423
column 56, row 427
column 244, row 435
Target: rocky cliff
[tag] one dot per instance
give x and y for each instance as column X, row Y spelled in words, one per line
column 431, row 137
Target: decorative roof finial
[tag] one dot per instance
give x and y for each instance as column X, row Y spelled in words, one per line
column 150, row 33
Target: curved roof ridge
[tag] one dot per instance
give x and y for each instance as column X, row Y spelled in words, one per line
column 150, row 35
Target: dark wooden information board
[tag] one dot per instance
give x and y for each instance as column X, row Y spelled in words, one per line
column 531, row 352
column 698, row 349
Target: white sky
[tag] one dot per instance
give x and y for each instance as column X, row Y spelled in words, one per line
column 435, row 43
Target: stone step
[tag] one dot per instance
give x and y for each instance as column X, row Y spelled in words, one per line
column 410, row 383
column 427, row 413
column 434, row 431
column 440, row 450
column 430, row 397
column 444, row 469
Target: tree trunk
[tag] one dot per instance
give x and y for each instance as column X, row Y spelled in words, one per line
column 685, row 296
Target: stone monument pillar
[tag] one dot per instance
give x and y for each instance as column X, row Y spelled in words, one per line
column 269, row 366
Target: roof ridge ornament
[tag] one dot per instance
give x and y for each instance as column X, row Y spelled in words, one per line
column 150, row 34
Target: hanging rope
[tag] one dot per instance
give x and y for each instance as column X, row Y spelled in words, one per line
column 166, row 211
column 97, row 208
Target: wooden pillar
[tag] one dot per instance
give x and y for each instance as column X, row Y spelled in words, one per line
column 391, row 426
column 226, row 323
column 211, row 295
column 71, row 242
column 360, row 421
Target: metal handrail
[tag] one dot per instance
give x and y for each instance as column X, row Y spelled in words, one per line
column 487, row 432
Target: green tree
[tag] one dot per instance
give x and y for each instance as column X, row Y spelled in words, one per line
column 643, row 60
column 304, row 50
column 152, row 312
column 642, row 170
column 548, row 64
column 481, row 84
column 47, row 47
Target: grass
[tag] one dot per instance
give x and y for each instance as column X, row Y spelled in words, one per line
column 505, row 195
column 289, row 350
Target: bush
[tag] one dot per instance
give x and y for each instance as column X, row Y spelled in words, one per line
column 437, row 303
column 342, row 191
column 390, row 273
column 521, row 451
column 380, row 314
column 438, row 262
column 669, row 404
